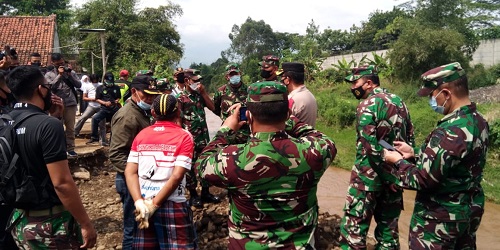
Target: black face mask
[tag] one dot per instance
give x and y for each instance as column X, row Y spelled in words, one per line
column 265, row 74
column 36, row 64
column 47, row 100
column 358, row 92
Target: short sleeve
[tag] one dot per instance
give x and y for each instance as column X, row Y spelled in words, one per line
column 53, row 140
column 185, row 153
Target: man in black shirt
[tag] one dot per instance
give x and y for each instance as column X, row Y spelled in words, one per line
column 49, row 222
column 108, row 95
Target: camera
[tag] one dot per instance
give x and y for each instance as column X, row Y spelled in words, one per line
column 67, row 69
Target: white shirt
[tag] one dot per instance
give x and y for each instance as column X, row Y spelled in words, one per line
column 90, row 90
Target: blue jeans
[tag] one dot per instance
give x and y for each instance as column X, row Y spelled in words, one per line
column 129, row 224
column 97, row 118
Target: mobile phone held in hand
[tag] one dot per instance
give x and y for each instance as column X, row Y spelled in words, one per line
column 243, row 115
column 386, row 145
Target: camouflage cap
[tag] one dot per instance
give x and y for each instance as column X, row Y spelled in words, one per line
column 164, row 84
column 144, row 72
column 269, row 91
column 165, row 104
column 359, row 72
column 193, row 74
column 440, row 75
column 232, row 67
column 269, row 60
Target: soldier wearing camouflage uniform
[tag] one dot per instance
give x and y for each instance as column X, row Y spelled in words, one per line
column 447, row 170
column 272, row 179
column 235, row 91
column 269, row 68
column 192, row 103
column 381, row 115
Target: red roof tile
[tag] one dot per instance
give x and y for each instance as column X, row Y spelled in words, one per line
column 28, row 34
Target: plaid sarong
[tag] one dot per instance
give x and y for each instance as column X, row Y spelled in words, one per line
column 171, row 227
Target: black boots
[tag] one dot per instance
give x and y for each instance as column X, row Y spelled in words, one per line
column 194, row 199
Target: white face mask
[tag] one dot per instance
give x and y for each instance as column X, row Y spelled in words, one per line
column 194, row 85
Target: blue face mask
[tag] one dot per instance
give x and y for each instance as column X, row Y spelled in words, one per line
column 235, row 79
column 143, row 105
column 435, row 106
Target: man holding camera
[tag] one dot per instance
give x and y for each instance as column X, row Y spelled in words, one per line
column 63, row 82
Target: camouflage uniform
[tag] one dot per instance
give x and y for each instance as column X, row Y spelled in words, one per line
column 58, row 231
column 447, row 174
column 381, row 115
column 225, row 97
column 270, row 61
column 272, row 179
column 192, row 107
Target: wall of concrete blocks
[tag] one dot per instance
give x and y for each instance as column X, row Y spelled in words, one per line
column 488, row 53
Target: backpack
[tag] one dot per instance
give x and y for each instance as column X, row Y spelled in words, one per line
column 16, row 187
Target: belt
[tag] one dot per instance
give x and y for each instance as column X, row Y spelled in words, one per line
column 44, row 212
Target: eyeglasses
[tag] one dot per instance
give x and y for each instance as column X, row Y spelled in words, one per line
column 46, row 85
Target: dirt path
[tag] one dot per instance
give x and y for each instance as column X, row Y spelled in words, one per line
column 333, row 187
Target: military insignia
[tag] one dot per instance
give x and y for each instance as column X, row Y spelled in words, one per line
column 357, row 92
column 105, row 92
column 436, row 139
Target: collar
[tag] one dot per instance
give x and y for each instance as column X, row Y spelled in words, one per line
column 135, row 106
column 297, row 90
column 464, row 110
column 377, row 90
column 167, row 124
column 271, row 136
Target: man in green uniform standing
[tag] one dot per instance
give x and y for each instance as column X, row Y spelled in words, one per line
column 269, row 68
column 380, row 116
column 447, row 170
column 192, row 102
column 272, row 179
column 235, row 91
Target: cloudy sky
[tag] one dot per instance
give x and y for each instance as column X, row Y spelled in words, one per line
column 205, row 24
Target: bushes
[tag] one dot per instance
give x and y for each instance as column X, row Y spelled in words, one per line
column 334, row 109
column 495, row 135
column 479, row 76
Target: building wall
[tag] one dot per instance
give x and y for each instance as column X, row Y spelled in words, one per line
column 488, row 53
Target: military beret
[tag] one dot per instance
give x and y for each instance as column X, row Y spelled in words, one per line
column 165, row 104
column 269, row 60
column 359, row 72
column 268, row 91
column 440, row 75
column 145, row 83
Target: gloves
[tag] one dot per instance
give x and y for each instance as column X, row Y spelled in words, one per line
column 141, row 213
column 150, row 207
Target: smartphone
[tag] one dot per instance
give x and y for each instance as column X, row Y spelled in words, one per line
column 243, row 113
column 386, row 145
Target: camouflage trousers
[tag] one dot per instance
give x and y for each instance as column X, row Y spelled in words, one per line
column 192, row 175
column 384, row 206
column 433, row 234
column 59, row 231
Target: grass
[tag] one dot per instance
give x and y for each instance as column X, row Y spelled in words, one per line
column 423, row 118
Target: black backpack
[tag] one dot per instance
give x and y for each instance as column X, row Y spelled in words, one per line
column 16, row 185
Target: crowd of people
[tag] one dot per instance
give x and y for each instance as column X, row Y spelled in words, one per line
column 267, row 154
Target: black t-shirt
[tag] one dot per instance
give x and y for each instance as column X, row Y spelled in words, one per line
column 41, row 141
column 108, row 94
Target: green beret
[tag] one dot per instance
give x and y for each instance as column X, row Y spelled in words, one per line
column 359, row 72
column 440, row 75
column 269, row 91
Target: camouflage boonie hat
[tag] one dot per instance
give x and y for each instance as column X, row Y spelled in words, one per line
column 164, row 84
column 269, row 60
column 232, row 67
column 144, row 72
column 440, row 75
column 269, row 91
column 359, row 72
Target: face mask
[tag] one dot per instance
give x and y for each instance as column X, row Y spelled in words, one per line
column 193, row 86
column 36, row 64
column 143, row 105
column 265, row 74
column 359, row 92
column 47, row 100
column 235, row 79
column 435, row 106
column 108, row 84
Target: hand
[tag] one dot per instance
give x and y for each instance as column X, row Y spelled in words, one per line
column 108, row 103
column 60, row 70
column 151, row 207
column 233, row 121
column 404, row 149
column 391, row 156
column 141, row 208
column 57, row 108
column 5, row 62
column 201, row 88
column 89, row 236
column 143, row 222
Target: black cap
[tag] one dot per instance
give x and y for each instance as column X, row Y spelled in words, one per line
column 145, row 83
column 293, row 66
column 108, row 77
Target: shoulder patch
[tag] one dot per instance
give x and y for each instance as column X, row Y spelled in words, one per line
column 436, row 138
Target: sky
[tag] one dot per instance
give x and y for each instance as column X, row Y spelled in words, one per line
column 205, row 24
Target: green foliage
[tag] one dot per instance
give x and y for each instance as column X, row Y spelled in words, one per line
column 495, row 134
column 334, row 110
column 479, row 76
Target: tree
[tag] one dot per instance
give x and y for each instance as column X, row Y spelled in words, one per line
column 335, row 41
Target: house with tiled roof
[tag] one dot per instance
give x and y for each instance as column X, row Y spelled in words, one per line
column 28, row 34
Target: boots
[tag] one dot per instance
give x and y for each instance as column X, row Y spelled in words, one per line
column 194, row 199
column 207, row 197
